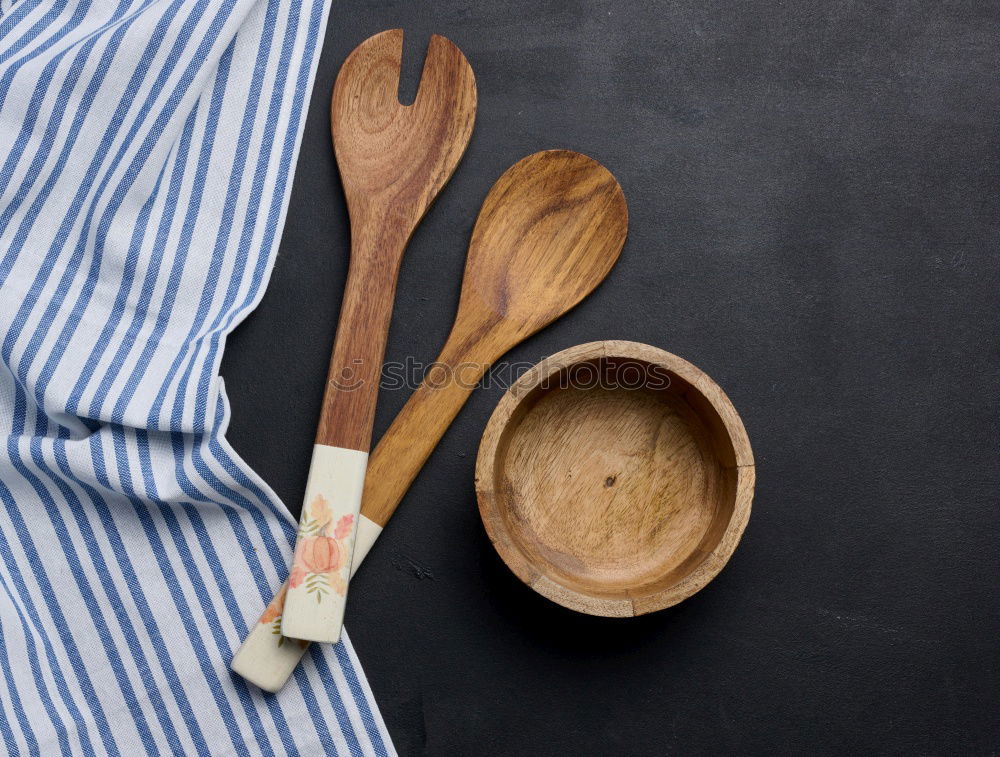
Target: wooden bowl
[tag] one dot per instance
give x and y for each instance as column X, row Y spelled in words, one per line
column 615, row 478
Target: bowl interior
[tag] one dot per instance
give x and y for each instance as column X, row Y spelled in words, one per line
column 615, row 479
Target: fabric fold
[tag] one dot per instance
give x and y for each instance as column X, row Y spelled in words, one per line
column 148, row 151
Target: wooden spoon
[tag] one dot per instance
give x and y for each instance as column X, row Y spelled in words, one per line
column 393, row 161
column 548, row 233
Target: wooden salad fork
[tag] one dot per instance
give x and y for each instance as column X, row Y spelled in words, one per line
column 393, row 161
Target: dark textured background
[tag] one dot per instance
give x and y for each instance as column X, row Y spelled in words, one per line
column 814, row 205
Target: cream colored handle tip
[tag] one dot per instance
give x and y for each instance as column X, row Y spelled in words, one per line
column 267, row 659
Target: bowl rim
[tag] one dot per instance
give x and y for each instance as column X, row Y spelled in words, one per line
column 490, row 508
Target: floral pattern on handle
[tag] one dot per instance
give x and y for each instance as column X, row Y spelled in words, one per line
column 320, row 558
column 272, row 616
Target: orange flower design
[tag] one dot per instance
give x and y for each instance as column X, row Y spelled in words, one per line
column 319, row 509
column 273, row 611
column 343, row 526
column 298, row 573
column 319, row 558
column 322, row 554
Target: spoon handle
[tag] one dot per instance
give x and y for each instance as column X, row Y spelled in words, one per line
column 317, row 592
column 412, row 437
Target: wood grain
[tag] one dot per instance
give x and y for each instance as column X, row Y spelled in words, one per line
column 393, row 161
column 615, row 478
column 548, row 233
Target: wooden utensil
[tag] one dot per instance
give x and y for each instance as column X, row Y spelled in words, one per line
column 393, row 161
column 549, row 232
column 615, row 478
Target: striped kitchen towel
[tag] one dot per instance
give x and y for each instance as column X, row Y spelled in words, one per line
column 146, row 156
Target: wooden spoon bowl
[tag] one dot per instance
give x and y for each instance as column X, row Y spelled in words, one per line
column 615, row 478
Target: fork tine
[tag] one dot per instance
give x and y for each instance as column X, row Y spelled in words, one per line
column 446, row 73
column 371, row 74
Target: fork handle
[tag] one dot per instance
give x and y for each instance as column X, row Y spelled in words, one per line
column 317, row 591
column 348, row 410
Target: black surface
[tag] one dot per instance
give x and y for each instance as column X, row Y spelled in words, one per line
column 814, row 222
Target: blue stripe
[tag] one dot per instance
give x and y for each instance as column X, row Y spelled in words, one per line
column 217, row 452
column 347, row 667
column 10, row 22
column 118, row 608
column 36, row 671
column 239, row 530
column 338, row 705
column 141, row 310
column 228, row 215
column 171, row 578
column 256, row 190
column 115, row 124
column 50, row 594
column 349, row 673
column 300, row 92
column 32, row 621
column 34, row 32
column 34, row 106
column 124, row 562
column 94, row 605
column 230, row 495
column 104, row 224
column 197, row 524
column 47, row 141
column 197, row 580
column 288, row 147
column 121, row 299
column 243, row 142
column 322, row 730
column 8, row 76
column 118, row 308
column 15, row 702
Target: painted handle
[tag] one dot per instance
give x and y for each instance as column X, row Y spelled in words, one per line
column 267, row 658
column 317, row 585
column 317, row 591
